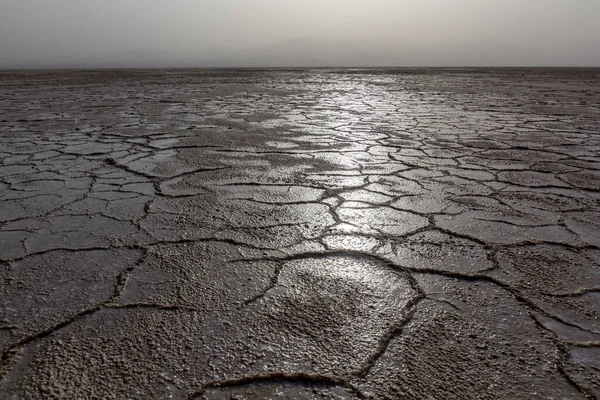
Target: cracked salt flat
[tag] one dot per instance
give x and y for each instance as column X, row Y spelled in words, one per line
column 339, row 234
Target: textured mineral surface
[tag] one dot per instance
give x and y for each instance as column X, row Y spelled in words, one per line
column 305, row 234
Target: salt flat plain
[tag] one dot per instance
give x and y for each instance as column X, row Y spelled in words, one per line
column 310, row 234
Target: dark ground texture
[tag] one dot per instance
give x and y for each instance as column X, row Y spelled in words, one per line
column 309, row 234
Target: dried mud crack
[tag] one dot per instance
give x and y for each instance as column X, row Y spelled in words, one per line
column 327, row 233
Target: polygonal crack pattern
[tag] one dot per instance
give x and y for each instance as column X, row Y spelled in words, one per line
column 313, row 234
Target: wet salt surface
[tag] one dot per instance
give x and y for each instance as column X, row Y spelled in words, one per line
column 300, row 234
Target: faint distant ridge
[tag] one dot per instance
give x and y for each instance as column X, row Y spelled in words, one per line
column 397, row 52
column 313, row 52
column 301, row 52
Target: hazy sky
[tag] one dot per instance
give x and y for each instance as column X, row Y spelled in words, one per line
column 153, row 33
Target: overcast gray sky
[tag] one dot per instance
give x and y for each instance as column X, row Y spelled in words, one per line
column 155, row 33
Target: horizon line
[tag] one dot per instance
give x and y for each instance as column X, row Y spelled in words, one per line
column 91, row 68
